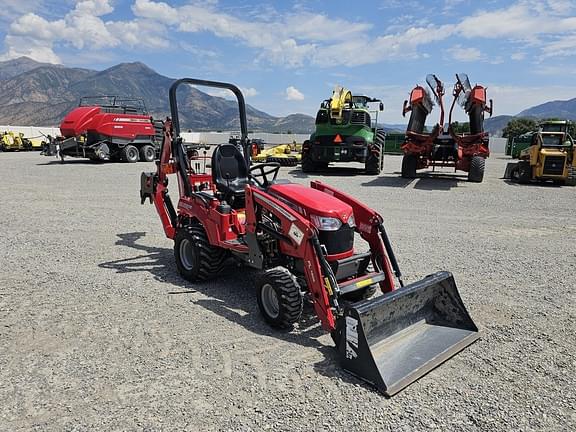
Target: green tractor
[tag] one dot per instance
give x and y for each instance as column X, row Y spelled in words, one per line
column 345, row 132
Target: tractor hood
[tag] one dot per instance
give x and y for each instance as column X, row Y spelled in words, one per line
column 307, row 201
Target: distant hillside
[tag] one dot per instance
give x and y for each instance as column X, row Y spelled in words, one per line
column 565, row 110
column 495, row 125
column 11, row 68
column 41, row 94
column 555, row 109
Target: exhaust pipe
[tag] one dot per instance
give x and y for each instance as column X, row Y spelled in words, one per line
column 392, row 340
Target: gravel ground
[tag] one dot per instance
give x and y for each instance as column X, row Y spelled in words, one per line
column 98, row 332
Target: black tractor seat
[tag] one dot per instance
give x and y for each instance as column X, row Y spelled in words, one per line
column 230, row 174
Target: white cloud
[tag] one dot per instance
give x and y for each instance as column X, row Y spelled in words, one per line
column 12, row 9
column 158, row 11
column 223, row 93
column 462, row 54
column 249, row 91
column 525, row 19
column 93, row 7
column 29, row 47
column 298, row 37
column 197, row 51
column 292, row 93
column 518, row 56
column 562, row 46
column 83, row 28
column 227, row 94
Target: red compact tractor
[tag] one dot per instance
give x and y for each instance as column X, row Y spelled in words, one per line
column 301, row 239
column 109, row 128
column 440, row 148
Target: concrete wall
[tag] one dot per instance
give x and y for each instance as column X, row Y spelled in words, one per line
column 497, row 145
column 222, row 137
column 195, row 137
column 31, row 131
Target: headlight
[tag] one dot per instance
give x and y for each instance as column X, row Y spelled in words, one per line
column 351, row 221
column 324, row 223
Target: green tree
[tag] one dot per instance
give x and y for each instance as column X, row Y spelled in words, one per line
column 461, row 128
column 519, row 126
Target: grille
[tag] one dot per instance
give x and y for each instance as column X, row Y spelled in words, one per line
column 337, row 241
column 554, row 165
column 360, row 117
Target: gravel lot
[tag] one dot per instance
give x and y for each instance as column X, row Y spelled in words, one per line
column 98, row 332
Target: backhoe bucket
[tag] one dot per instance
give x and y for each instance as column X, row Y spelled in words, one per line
column 392, row 340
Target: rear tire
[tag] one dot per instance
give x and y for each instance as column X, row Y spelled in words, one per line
column 476, row 169
column 409, row 165
column 196, row 258
column 308, row 165
column 279, row 297
column 147, row 153
column 130, row 154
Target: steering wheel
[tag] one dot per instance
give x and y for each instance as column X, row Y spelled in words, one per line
column 262, row 173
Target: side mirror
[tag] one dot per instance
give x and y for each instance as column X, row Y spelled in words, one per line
column 405, row 108
column 489, row 109
column 381, row 106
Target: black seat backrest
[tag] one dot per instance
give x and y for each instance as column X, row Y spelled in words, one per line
column 228, row 165
column 230, row 173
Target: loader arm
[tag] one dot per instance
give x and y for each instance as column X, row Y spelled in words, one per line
column 370, row 227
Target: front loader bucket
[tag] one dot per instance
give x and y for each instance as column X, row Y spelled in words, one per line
column 392, row 340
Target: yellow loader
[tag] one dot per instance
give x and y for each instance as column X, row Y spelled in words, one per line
column 550, row 157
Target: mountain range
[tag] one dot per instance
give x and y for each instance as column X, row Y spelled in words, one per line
column 560, row 109
column 41, row 94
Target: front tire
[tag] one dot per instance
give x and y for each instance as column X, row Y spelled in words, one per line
column 375, row 160
column 409, row 165
column 147, row 153
column 476, row 170
column 524, row 172
column 130, row 154
column 307, row 163
column 279, row 297
column 196, row 258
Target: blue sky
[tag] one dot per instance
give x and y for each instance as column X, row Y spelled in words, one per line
column 287, row 56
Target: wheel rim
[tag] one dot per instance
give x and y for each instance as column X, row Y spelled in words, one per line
column 187, row 254
column 150, row 153
column 270, row 301
column 133, row 154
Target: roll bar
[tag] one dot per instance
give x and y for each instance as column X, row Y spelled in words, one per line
column 216, row 84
